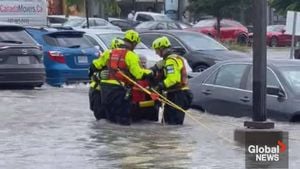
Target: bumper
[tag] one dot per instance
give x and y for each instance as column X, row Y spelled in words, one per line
column 23, row 75
column 57, row 77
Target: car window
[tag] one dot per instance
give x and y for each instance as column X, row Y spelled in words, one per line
column 292, row 75
column 68, row 40
column 94, row 42
column 9, row 35
column 198, row 42
column 172, row 25
column 161, row 26
column 121, row 24
column 271, row 79
column 107, row 38
column 230, row 75
column 174, row 41
column 99, row 22
column 142, row 17
column 146, row 25
column 147, row 39
column 74, row 22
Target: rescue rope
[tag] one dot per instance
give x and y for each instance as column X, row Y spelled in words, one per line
column 170, row 103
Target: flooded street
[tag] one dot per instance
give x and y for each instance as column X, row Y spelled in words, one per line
column 53, row 128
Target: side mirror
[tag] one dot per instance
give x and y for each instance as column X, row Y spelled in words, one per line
column 179, row 50
column 283, row 31
column 273, row 90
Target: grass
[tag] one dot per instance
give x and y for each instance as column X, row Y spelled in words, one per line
column 237, row 47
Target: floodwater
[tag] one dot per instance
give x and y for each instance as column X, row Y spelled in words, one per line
column 53, row 128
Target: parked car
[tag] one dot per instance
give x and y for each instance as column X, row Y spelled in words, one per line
column 124, row 24
column 276, row 36
column 94, row 23
column 230, row 30
column 20, row 58
column 199, row 50
column 161, row 25
column 68, row 55
column 226, row 89
column 103, row 39
column 56, row 20
column 150, row 16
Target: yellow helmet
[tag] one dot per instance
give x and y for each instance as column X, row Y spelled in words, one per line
column 132, row 36
column 117, row 43
column 162, row 42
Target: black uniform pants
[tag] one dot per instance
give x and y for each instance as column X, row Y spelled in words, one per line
column 183, row 99
column 117, row 108
column 95, row 104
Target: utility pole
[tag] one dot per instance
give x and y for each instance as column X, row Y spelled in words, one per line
column 292, row 53
column 87, row 13
column 259, row 67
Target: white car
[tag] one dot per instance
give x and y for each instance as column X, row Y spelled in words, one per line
column 102, row 38
column 150, row 16
column 94, row 23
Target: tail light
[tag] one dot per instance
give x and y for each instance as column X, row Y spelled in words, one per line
column 56, row 56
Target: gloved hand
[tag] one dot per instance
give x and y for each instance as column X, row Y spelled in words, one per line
column 154, row 96
column 158, row 66
column 92, row 70
column 104, row 74
column 159, row 87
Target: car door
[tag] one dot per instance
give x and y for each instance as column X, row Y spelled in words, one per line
column 275, row 106
column 227, row 30
column 222, row 93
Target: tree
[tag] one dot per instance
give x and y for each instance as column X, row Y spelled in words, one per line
column 217, row 8
column 282, row 6
column 109, row 7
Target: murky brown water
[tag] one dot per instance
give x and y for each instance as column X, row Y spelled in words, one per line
column 53, row 128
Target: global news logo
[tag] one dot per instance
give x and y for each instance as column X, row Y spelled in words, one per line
column 267, row 153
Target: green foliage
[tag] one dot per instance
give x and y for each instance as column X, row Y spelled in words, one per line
column 71, row 2
column 283, row 6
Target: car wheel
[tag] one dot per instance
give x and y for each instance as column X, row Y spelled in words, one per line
column 274, row 42
column 242, row 40
column 200, row 68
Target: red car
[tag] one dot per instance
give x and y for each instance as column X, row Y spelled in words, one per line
column 230, row 30
column 276, row 36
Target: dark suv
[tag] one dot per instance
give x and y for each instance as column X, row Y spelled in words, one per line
column 20, row 58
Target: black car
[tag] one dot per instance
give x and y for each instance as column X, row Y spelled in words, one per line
column 124, row 24
column 161, row 25
column 20, row 58
column 226, row 89
column 199, row 50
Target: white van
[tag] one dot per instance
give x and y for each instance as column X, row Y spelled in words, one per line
column 24, row 12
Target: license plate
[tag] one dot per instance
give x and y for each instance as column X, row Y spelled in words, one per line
column 23, row 60
column 82, row 59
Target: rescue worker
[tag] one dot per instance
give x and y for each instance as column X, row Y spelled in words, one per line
column 116, row 90
column 95, row 78
column 174, row 81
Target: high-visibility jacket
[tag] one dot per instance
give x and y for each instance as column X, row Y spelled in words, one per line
column 175, row 75
column 130, row 62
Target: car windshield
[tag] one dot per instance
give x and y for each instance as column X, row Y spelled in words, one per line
column 275, row 28
column 74, row 22
column 292, row 76
column 107, row 38
column 198, row 42
column 14, row 36
column 161, row 18
column 68, row 41
column 145, row 25
column 205, row 23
